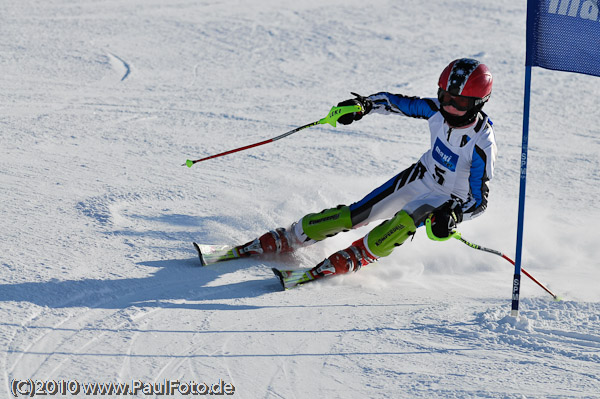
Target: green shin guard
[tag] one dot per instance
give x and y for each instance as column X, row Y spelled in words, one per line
column 318, row 226
column 393, row 232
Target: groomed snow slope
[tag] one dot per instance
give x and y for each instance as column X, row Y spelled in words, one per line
column 103, row 101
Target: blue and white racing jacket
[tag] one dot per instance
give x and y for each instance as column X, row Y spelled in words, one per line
column 460, row 163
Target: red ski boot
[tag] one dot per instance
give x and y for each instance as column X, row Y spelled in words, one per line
column 350, row 259
column 277, row 241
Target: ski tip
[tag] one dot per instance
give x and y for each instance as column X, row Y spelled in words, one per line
column 277, row 273
column 202, row 263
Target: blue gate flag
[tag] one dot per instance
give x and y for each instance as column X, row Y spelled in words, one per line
column 564, row 35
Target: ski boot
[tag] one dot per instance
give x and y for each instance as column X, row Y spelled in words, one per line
column 350, row 259
column 276, row 241
column 347, row 260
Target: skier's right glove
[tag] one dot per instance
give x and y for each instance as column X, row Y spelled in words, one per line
column 365, row 104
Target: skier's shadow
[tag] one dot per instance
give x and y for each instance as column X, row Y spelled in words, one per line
column 177, row 283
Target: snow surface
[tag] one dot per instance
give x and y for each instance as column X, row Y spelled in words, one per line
column 103, row 101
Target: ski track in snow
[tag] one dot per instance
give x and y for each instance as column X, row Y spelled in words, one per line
column 118, row 62
column 99, row 281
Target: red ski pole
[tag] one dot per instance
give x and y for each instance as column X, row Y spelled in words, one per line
column 492, row 251
column 458, row 236
column 334, row 114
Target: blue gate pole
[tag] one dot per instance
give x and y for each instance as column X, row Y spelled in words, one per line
column 517, row 276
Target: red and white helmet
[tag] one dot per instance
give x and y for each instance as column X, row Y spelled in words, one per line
column 468, row 78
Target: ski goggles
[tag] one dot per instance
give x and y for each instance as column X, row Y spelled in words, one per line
column 461, row 103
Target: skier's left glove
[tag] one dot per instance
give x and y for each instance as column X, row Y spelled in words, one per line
column 445, row 219
column 365, row 104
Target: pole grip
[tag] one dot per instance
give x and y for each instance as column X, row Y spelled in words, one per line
column 337, row 112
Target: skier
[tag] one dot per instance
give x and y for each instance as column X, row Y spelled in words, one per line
column 448, row 185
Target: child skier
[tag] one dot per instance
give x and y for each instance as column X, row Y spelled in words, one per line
column 449, row 184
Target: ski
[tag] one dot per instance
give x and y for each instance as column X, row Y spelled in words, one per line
column 210, row 254
column 294, row 277
column 290, row 278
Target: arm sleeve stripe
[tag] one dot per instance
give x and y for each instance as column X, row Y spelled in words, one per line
column 478, row 181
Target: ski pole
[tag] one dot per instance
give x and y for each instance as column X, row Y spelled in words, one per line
column 492, row 251
column 334, row 114
column 458, row 236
